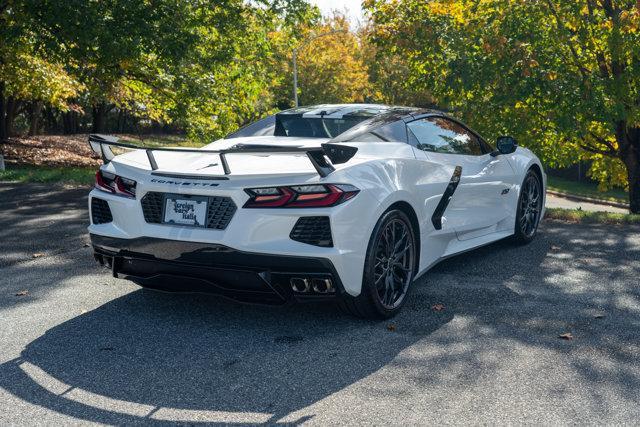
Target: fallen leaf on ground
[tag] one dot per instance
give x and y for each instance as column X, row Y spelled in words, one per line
column 437, row 307
column 391, row 327
column 22, row 293
column 566, row 336
column 37, row 255
column 599, row 316
column 51, row 150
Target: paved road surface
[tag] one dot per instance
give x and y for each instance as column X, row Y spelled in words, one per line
column 83, row 347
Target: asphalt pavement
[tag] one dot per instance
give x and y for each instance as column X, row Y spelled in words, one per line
column 78, row 346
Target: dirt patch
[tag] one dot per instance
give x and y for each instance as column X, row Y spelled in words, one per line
column 50, row 150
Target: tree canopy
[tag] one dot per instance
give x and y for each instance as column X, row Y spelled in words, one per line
column 206, row 67
column 562, row 77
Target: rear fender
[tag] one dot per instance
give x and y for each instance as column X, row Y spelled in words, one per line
column 419, row 183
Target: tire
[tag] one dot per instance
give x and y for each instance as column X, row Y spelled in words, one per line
column 529, row 208
column 388, row 272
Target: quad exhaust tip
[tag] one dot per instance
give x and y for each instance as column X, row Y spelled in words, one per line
column 300, row 285
column 317, row 285
column 322, row 286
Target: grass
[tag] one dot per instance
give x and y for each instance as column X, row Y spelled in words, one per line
column 47, row 174
column 586, row 217
column 586, row 189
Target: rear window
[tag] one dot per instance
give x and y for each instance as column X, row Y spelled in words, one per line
column 388, row 127
column 366, row 124
column 392, row 132
column 263, row 127
column 314, row 127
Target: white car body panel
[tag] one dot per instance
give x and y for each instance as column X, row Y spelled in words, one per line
column 482, row 209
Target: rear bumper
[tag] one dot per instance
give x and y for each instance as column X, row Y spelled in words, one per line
column 211, row 268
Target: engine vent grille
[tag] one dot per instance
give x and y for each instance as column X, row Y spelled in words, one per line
column 100, row 212
column 220, row 210
column 152, row 207
column 313, row 230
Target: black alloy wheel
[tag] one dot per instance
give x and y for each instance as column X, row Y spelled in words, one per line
column 393, row 265
column 389, row 269
column 529, row 208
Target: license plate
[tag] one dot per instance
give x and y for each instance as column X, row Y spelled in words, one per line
column 185, row 211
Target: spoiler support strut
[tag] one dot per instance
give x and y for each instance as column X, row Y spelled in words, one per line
column 152, row 160
column 225, row 165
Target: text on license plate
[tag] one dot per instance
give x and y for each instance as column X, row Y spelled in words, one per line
column 185, row 211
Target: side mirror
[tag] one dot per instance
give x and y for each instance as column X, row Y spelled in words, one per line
column 506, row 145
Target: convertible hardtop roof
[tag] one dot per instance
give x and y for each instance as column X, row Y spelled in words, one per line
column 370, row 116
column 338, row 111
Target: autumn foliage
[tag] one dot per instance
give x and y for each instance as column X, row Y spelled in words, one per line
column 563, row 77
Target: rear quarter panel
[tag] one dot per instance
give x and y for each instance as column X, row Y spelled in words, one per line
column 419, row 183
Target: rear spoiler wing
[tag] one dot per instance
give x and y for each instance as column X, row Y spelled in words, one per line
column 322, row 158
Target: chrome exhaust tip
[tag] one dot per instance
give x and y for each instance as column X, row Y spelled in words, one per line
column 322, row 286
column 299, row 285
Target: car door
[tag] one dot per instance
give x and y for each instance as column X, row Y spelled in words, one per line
column 479, row 205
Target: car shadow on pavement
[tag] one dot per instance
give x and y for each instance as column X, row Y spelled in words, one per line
column 171, row 353
column 161, row 358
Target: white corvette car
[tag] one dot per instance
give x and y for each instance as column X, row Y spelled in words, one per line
column 345, row 202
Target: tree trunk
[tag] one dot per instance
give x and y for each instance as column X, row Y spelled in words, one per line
column 51, row 120
column 69, row 123
column 10, row 110
column 34, row 122
column 3, row 132
column 100, row 117
column 120, row 126
column 631, row 158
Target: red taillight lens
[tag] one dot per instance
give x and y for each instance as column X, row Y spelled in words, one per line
column 112, row 183
column 300, row 196
column 105, row 181
column 125, row 186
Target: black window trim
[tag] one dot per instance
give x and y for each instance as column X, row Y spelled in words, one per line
column 483, row 143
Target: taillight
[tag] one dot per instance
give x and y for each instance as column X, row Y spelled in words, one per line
column 300, row 196
column 115, row 184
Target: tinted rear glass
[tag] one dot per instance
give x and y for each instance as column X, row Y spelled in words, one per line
column 365, row 124
column 391, row 132
column 388, row 127
column 314, row 127
column 263, row 127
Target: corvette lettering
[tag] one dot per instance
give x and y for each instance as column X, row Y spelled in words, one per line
column 185, row 183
